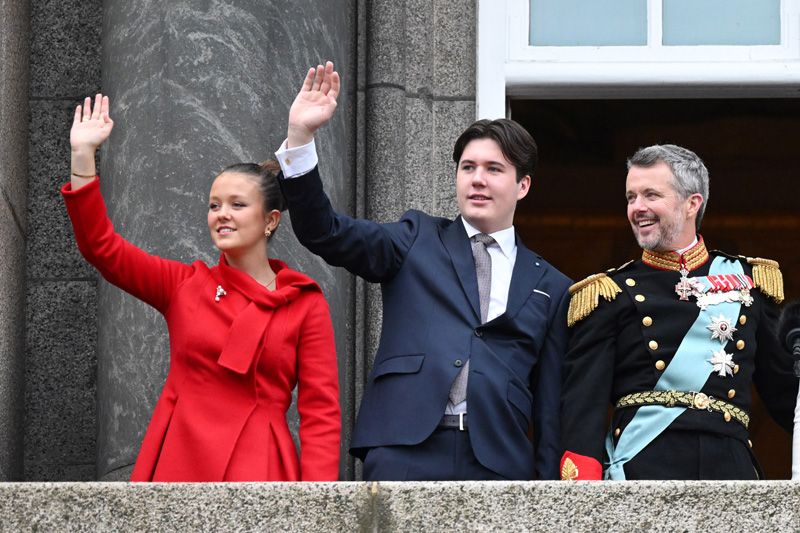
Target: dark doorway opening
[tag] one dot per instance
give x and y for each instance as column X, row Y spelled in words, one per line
column 575, row 216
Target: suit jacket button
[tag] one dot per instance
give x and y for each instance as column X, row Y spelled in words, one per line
column 458, row 362
column 478, row 333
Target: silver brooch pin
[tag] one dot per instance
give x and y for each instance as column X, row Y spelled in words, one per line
column 220, row 292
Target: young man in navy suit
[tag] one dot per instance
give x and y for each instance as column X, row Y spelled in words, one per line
column 474, row 323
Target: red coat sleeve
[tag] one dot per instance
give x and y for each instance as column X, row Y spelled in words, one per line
column 145, row 276
column 318, row 395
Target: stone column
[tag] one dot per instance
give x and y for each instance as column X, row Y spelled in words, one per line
column 419, row 95
column 196, row 86
column 14, row 112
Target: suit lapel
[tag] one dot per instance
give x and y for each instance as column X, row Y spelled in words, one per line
column 528, row 270
column 454, row 238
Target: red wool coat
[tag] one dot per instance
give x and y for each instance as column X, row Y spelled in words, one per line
column 233, row 362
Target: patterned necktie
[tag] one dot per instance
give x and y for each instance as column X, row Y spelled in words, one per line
column 483, row 268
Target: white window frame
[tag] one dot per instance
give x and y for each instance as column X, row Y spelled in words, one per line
column 509, row 67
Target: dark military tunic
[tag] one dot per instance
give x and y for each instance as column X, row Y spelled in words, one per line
column 625, row 345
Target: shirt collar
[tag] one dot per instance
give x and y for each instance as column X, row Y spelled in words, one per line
column 682, row 250
column 506, row 239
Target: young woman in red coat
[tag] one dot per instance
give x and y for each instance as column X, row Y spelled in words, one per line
column 242, row 333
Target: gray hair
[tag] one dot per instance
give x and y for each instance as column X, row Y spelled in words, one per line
column 690, row 175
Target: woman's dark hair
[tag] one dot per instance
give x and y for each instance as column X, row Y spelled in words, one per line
column 515, row 142
column 265, row 174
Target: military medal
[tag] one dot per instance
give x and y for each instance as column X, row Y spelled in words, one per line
column 713, row 298
column 721, row 328
column 722, row 363
column 712, row 290
column 684, row 287
column 688, row 286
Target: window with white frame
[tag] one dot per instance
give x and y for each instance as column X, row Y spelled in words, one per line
column 636, row 48
column 669, row 23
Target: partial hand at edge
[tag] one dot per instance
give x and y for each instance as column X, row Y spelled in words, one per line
column 314, row 105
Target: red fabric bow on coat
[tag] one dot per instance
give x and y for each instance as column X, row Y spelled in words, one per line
column 247, row 331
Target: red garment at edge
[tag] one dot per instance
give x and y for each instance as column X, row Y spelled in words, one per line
column 233, row 362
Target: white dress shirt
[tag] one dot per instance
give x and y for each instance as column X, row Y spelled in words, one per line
column 298, row 160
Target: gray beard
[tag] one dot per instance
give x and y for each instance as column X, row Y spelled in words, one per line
column 666, row 234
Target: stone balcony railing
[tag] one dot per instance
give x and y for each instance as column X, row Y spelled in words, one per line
column 420, row 507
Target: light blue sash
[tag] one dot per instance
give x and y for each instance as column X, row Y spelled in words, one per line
column 688, row 371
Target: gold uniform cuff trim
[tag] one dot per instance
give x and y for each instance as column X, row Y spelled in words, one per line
column 586, row 296
column 569, row 470
column 767, row 277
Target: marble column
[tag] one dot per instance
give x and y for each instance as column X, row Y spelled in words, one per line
column 196, row 86
column 14, row 112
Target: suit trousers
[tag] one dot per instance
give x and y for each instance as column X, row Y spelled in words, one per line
column 444, row 456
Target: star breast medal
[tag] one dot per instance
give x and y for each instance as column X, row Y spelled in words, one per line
column 721, row 329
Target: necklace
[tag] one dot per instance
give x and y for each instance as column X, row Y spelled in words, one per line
column 270, row 282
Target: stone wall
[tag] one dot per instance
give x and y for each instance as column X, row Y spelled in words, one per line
column 61, row 332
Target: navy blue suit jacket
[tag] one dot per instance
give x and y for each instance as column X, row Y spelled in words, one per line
column 431, row 325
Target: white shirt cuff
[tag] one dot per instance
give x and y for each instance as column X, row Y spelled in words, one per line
column 297, row 161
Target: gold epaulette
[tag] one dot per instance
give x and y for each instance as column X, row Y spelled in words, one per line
column 586, row 296
column 767, row 277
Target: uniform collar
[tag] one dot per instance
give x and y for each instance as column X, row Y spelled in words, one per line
column 693, row 258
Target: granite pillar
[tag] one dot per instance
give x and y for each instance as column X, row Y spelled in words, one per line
column 195, row 86
column 14, row 53
column 419, row 94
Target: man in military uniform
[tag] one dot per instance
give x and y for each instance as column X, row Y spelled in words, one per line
column 674, row 341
